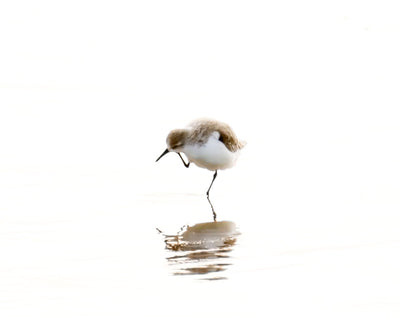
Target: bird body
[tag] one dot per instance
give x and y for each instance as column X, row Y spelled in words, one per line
column 208, row 143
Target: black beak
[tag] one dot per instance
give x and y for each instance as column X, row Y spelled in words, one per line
column 164, row 153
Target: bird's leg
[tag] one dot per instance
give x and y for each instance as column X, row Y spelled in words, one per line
column 186, row 164
column 215, row 175
column 208, row 196
column 212, row 209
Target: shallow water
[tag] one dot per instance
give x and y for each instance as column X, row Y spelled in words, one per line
column 77, row 241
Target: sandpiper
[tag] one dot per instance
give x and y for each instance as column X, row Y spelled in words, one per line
column 209, row 144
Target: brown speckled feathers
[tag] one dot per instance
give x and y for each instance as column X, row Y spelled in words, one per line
column 205, row 128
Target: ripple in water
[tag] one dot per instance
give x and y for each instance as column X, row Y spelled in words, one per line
column 202, row 249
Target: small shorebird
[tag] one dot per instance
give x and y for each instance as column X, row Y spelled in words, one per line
column 209, row 144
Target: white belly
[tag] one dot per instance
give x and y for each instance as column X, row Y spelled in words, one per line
column 212, row 155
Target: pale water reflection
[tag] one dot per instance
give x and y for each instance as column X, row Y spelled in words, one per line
column 201, row 250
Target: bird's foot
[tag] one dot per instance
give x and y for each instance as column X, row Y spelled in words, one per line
column 212, row 209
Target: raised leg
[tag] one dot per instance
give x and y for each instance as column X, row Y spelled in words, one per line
column 186, row 164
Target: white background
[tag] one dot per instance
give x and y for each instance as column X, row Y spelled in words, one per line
column 88, row 93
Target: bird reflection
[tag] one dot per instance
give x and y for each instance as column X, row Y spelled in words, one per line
column 202, row 249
